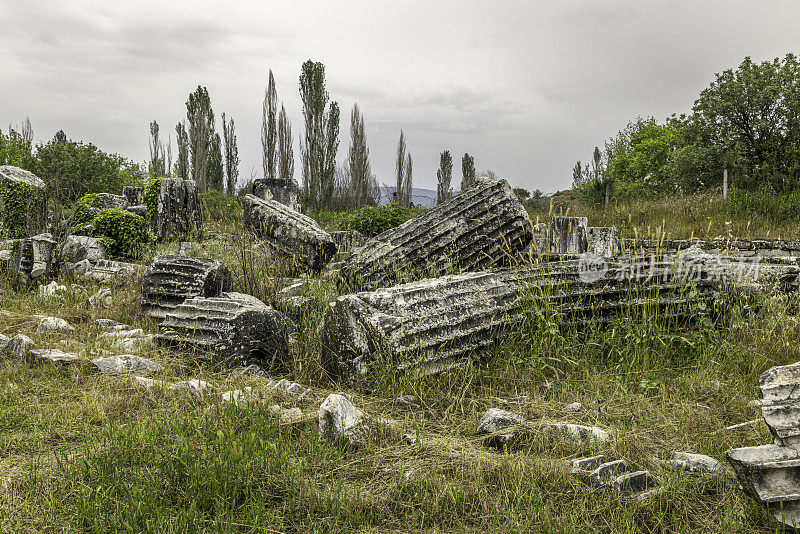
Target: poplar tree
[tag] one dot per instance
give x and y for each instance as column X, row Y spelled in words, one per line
column 443, row 177
column 231, row 154
column 269, row 134
column 285, row 152
column 201, row 133
column 467, row 171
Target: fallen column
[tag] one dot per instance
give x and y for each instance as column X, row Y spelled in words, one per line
column 423, row 327
column 289, row 232
column 170, row 280
column 770, row 474
column 287, row 192
column 479, row 228
column 228, row 331
column 178, row 212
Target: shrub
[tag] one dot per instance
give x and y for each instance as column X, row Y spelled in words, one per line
column 17, row 199
column 151, row 192
column 83, row 213
column 374, row 220
column 126, row 231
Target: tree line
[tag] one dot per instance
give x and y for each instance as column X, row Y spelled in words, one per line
column 744, row 128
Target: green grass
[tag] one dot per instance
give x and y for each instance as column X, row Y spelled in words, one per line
column 81, row 452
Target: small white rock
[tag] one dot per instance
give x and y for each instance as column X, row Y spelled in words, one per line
column 54, row 325
column 575, row 407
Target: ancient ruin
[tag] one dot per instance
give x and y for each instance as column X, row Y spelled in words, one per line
column 770, row 473
column 227, row 331
column 423, row 327
column 477, row 229
column 170, row 280
column 287, row 192
column 291, row 234
column 178, row 212
column 33, row 258
column 23, row 202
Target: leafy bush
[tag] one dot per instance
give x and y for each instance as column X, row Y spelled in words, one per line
column 17, row 199
column 83, row 213
column 151, row 192
column 126, row 231
column 374, row 220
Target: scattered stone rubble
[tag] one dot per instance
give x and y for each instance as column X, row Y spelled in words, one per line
column 596, row 471
column 288, row 232
column 170, row 280
column 33, row 210
column 126, row 364
column 770, row 473
column 479, row 228
column 287, row 192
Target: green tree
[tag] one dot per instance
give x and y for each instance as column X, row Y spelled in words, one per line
column 522, row 193
column 321, row 136
column 754, row 112
column 231, row 154
column 182, row 165
column 467, row 171
column 361, row 177
column 72, row 169
column 269, row 132
column 201, row 133
column 444, row 175
column 215, row 174
column 16, row 148
column 285, row 151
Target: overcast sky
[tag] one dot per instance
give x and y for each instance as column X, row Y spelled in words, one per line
column 526, row 87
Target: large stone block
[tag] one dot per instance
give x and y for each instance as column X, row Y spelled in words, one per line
column 288, row 232
column 170, row 280
column 33, row 258
column 23, row 202
column 423, row 327
column 287, row 192
column 477, row 229
column 179, row 211
column 227, row 331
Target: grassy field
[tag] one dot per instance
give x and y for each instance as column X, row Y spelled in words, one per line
column 80, row 451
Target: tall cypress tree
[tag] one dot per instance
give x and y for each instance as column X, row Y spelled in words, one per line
column 467, row 172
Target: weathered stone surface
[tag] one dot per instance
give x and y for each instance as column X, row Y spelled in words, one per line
column 54, row 325
column 607, row 472
column 636, row 482
column 134, row 195
column 101, row 299
column 126, row 364
column 423, row 327
column 170, row 280
column 588, row 464
column 78, row 247
column 340, row 420
column 287, row 192
column 770, row 474
column 479, row 228
column 495, row 420
column 107, row 201
column 18, row 347
column 568, row 235
column 178, row 212
column 29, row 218
column 602, row 241
column 693, row 463
column 53, row 356
column 33, row 258
column 192, row 388
column 140, row 210
column 575, row 407
column 109, row 325
column 107, row 271
column 228, row 331
column 288, row 232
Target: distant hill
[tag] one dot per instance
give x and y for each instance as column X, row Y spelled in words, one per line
column 419, row 196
